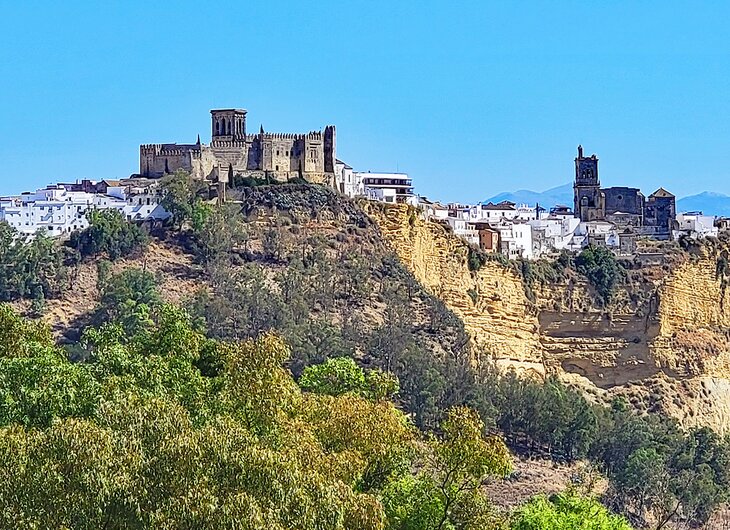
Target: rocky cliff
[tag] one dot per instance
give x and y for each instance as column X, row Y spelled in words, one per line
column 663, row 342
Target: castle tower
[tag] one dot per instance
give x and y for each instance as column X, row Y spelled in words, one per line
column 228, row 125
column 587, row 197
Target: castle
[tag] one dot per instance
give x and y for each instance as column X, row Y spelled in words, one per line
column 625, row 207
column 232, row 151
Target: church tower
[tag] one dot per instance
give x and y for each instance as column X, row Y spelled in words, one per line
column 228, row 125
column 587, row 197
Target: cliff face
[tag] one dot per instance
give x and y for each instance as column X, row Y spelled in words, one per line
column 491, row 302
column 663, row 343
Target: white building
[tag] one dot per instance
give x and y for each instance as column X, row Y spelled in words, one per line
column 388, row 187
column 553, row 234
column 695, row 225
column 492, row 213
column 515, row 239
column 55, row 210
column 464, row 229
column 599, row 233
column 348, row 181
column 432, row 210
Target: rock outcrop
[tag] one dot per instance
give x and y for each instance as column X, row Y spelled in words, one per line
column 664, row 343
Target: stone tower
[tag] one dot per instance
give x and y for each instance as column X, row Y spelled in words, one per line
column 587, row 197
column 228, row 125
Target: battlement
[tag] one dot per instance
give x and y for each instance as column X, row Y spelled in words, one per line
column 283, row 136
column 229, row 143
column 167, row 149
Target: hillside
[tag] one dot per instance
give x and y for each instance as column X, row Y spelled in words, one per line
column 337, row 279
column 662, row 342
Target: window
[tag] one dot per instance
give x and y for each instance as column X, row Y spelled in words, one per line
column 277, row 168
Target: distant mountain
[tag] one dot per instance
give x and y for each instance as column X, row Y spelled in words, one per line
column 559, row 195
column 707, row 202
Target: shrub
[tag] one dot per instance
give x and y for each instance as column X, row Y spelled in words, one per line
column 600, row 267
column 108, row 232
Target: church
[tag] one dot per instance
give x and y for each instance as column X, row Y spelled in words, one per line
column 623, row 206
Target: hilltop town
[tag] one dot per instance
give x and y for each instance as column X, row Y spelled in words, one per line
column 617, row 217
column 278, row 261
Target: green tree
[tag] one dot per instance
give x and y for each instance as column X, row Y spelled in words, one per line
column 341, row 375
column 462, row 459
column 566, row 511
column 110, row 233
column 600, row 267
column 127, row 298
column 183, row 198
column 219, row 232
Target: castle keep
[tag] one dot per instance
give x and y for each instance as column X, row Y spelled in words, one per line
column 626, row 207
column 232, row 151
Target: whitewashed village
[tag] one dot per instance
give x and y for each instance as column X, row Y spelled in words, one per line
column 616, row 218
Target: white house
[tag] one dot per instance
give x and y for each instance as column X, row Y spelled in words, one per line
column 515, row 239
column 600, row 233
column 493, row 213
column 464, row 229
column 553, row 233
column 696, row 225
column 56, row 210
column 347, row 181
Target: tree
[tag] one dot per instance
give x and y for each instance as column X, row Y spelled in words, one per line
column 566, row 511
column 182, row 197
column 20, row 337
column 218, row 232
column 108, row 232
column 30, row 269
column 600, row 267
column 127, row 298
column 462, row 459
column 341, row 375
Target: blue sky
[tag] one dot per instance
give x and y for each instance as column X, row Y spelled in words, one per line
column 470, row 98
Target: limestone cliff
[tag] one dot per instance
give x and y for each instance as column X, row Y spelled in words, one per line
column 663, row 343
column 491, row 302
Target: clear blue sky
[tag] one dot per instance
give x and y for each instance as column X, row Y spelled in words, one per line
column 470, row 98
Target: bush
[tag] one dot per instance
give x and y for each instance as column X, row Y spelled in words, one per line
column 341, row 375
column 108, row 232
column 475, row 258
column 566, row 511
column 600, row 267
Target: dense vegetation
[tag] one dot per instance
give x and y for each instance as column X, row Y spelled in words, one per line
column 166, row 428
column 318, row 299
column 30, row 269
